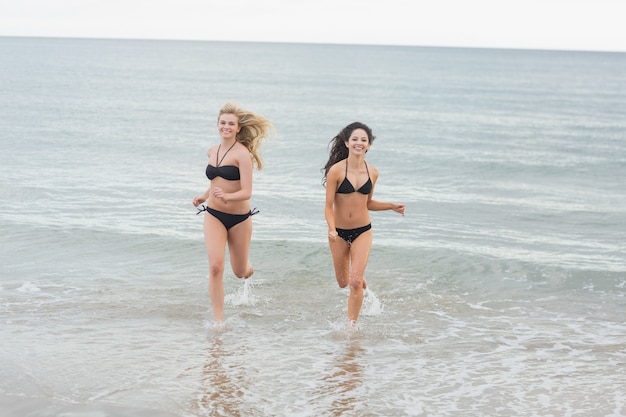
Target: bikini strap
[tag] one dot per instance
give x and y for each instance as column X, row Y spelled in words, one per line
column 218, row 161
column 366, row 168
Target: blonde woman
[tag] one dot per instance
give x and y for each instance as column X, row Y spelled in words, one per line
column 227, row 221
column 350, row 185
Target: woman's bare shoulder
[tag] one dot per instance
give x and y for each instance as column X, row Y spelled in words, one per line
column 337, row 167
column 211, row 151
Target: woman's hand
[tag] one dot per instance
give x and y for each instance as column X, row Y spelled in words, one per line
column 197, row 201
column 218, row 193
column 332, row 235
column 398, row 208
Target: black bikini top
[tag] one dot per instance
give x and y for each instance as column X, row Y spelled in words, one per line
column 228, row 172
column 346, row 186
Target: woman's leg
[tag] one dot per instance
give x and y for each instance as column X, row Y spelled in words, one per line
column 215, row 241
column 340, row 251
column 359, row 253
column 239, row 237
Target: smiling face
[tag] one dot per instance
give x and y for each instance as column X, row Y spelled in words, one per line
column 228, row 126
column 358, row 142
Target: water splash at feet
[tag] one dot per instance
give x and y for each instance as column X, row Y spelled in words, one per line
column 345, row 328
column 371, row 305
column 243, row 296
column 215, row 327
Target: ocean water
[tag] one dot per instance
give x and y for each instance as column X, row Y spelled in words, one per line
column 502, row 292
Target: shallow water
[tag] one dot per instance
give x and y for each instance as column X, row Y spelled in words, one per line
column 502, row 291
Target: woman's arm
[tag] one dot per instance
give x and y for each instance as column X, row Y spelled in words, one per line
column 374, row 205
column 329, row 214
column 201, row 199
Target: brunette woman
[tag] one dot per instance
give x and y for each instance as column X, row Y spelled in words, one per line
column 350, row 185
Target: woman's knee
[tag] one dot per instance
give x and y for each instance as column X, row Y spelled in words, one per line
column 216, row 269
column 356, row 281
column 342, row 273
column 242, row 271
column 342, row 281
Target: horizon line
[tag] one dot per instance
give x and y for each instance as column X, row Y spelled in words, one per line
column 165, row 39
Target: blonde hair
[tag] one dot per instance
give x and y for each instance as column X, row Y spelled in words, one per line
column 254, row 129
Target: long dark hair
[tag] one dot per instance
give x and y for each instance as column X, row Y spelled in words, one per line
column 337, row 145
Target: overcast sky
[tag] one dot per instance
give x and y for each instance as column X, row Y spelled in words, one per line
column 535, row 24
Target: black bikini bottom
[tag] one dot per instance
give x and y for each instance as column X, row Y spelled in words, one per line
column 350, row 235
column 227, row 219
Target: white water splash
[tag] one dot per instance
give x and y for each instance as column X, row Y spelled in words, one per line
column 343, row 327
column 371, row 305
column 216, row 327
column 29, row 287
column 243, row 296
